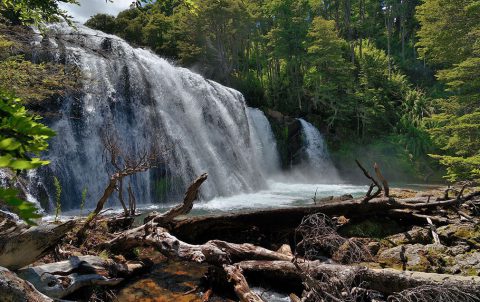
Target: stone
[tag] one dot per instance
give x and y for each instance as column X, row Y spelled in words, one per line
column 415, row 235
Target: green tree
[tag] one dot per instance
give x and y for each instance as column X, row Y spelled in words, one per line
column 329, row 78
column 33, row 11
column 450, row 39
column 20, row 135
column 103, row 22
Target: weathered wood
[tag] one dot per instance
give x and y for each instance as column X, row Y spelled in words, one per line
column 185, row 207
column 15, row 289
column 20, row 246
column 368, row 196
column 387, row 281
column 386, row 188
column 240, row 285
column 214, row 251
column 282, row 221
column 60, row 279
column 433, row 229
column 416, row 218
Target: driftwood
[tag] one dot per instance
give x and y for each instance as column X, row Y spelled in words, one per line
column 369, row 196
column 15, row 289
column 386, row 188
column 240, row 285
column 214, row 251
column 383, row 280
column 59, row 279
column 184, row 208
column 433, row 229
column 20, row 245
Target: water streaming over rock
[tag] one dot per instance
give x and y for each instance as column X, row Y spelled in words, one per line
column 266, row 145
column 319, row 163
column 202, row 125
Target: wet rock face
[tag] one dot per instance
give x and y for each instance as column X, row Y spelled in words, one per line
column 288, row 133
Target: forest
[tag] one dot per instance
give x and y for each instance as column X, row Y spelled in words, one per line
column 321, row 150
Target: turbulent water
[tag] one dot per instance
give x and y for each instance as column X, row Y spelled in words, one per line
column 202, row 125
column 318, row 164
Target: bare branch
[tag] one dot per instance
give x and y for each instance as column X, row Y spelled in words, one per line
column 368, row 197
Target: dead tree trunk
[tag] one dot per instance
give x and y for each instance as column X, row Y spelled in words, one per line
column 15, row 289
column 386, row 188
column 20, row 246
column 387, row 281
column 60, row 279
column 183, row 208
column 215, row 252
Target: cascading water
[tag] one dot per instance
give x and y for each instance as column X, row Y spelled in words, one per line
column 319, row 164
column 266, row 145
column 204, row 126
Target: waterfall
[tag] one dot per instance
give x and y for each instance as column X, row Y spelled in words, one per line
column 265, row 145
column 202, row 125
column 318, row 162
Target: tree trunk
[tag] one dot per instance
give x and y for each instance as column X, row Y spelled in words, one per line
column 184, row 208
column 387, row 281
column 15, row 289
column 60, row 279
column 20, row 246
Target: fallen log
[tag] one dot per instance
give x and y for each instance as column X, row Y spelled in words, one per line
column 215, row 252
column 387, row 281
column 59, row 279
column 279, row 224
column 15, row 289
column 20, row 246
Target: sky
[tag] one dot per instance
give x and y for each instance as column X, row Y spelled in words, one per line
column 88, row 8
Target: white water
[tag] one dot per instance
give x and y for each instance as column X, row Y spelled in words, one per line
column 266, row 146
column 278, row 195
column 202, row 125
column 319, row 164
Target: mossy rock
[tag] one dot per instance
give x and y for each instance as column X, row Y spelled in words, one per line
column 415, row 235
column 413, row 257
column 466, row 232
column 378, row 228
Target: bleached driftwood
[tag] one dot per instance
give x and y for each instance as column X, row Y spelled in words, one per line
column 15, row 289
column 59, row 279
column 214, row 251
column 240, row 285
column 21, row 245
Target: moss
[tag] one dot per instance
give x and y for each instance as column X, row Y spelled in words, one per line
column 468, row 233
column 104, row 255
column 472, row 272
column 379, row 229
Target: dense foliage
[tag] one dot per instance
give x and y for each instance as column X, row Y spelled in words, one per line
column 20, row 136
column 33, row 11
column 349, row 63
column 450, row 41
